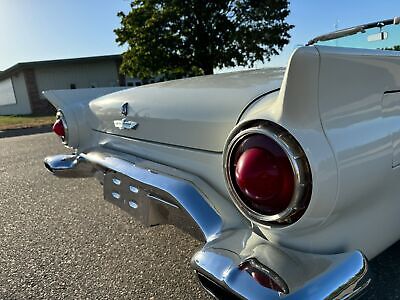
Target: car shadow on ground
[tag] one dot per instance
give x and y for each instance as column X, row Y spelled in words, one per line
column 385, row 269
column 24, row 131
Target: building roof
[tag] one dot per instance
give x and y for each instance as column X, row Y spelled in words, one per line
column 80, row 60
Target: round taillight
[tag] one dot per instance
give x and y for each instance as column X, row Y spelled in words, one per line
column 268, row 175
column 264, row 175
column 58, row 128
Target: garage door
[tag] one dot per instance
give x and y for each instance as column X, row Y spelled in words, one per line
column 7, row 95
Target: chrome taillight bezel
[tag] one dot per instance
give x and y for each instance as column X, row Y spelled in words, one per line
column 301, row 172
column 60, row 116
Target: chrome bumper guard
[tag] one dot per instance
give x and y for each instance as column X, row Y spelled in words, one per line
column 233, row 257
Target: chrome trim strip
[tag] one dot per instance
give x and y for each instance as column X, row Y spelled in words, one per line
column 352, row 30
column 155, row 142
column 158, row 199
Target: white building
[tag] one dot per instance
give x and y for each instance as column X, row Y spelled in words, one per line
column 21, row 85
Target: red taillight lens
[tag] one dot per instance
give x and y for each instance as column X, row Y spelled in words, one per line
column 58, row 128
column 263, row 175
column 266, row 277
column 268, row 174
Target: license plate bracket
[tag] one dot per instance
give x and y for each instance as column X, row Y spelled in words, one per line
column 140, row 201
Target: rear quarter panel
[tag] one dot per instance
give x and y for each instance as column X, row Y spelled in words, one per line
column 342, row 106
column 359, row 112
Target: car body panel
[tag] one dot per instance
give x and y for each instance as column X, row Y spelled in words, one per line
column 74, row 104
column 354, row 113
column 340, row 105
column 357, row 135
column 302, row 108
column 176, row 114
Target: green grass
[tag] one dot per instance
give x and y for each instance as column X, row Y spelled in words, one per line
column 15, row 122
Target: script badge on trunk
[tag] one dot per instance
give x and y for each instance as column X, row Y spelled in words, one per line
column 124, row 123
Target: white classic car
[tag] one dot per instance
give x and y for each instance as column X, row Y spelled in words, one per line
column 289, row 176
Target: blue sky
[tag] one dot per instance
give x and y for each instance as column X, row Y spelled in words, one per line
column 53, row 29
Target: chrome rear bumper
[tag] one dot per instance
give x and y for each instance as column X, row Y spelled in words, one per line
column 230, row 244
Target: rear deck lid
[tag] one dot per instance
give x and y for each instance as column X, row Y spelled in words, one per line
column 195, row 113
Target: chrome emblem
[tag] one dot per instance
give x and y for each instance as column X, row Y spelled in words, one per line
column 124, row 123
column 124, row 109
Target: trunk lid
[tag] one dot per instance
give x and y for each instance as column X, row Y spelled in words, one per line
column 194, row 113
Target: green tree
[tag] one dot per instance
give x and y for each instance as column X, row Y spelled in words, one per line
column 191, row 37
column 394, row 48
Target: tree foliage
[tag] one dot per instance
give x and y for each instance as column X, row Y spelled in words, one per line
column 191, row 37
column 394, row 48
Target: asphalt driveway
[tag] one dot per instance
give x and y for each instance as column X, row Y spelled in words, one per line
column 61, row 240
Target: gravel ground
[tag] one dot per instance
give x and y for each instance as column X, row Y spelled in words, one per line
column 61, row 240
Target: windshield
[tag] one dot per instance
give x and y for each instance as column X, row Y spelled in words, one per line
column 369, row 36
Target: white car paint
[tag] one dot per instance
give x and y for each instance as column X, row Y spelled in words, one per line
column 332, row 100
column 175, row 113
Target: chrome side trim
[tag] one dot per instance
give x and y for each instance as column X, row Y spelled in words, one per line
column 300, row 167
